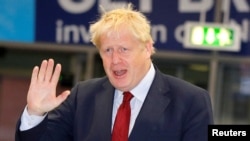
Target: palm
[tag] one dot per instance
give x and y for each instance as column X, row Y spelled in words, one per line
column 42, row 96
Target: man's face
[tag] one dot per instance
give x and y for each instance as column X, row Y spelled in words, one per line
column 125, row 59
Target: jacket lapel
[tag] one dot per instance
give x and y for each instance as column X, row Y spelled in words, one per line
column 101, row 128
column 154, row 105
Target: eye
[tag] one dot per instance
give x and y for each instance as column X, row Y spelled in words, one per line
column 123, row 49
column 108, row 50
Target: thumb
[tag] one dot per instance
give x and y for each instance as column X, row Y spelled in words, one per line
column 60, row 98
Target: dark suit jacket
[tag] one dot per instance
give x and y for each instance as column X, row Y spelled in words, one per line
column 174, row 110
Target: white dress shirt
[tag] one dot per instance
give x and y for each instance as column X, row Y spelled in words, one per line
column 139, row 93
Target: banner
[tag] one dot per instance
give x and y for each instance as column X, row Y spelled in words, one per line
column 67, row 21
column 17, row 20
column 67, row 25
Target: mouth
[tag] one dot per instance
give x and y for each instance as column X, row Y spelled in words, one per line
column 119, row 73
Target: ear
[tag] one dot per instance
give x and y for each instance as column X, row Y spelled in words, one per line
column 149, row 49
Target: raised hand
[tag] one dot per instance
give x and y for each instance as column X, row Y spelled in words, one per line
column 42, row 95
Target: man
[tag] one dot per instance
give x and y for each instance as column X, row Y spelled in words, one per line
column 161, row 107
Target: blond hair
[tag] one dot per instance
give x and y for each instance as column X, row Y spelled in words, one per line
column 117, row 19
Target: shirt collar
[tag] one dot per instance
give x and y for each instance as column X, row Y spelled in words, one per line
column 141, row 90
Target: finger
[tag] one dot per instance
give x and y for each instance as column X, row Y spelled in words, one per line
column 56, row 75
column 49, row 70
column 34, row 74
column 60, row 98
column 42, row 70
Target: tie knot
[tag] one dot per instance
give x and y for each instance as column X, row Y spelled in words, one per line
column 127, row 96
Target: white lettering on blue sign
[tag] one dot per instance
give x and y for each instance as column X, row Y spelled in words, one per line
column 145, row 6
column 191, row 6
column 242, row 5
column 245, row 29
column 83, row 6
column 76, row 33
column 159, row 33
column 76, row 7
column 66, row 33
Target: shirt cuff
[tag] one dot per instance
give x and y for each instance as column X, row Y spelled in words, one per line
column 29, row 121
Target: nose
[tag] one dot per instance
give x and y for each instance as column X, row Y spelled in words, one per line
column 116, row 57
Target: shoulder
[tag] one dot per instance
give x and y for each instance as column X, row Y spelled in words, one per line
column 92, row 84
column 179, row 87
column 86, row 91
column 183, row 93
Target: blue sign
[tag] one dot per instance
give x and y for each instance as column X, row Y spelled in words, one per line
column 17, row 20
column 67, row 21
column 240, row 14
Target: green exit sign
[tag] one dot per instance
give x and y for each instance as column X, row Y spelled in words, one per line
column 211, row 36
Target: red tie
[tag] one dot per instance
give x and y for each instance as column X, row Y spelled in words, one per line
column 121, row 125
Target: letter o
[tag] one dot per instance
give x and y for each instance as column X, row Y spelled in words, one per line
column 76, row 7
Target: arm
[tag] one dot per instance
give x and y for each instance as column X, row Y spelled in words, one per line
column 42, row 96
column 199, row 116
